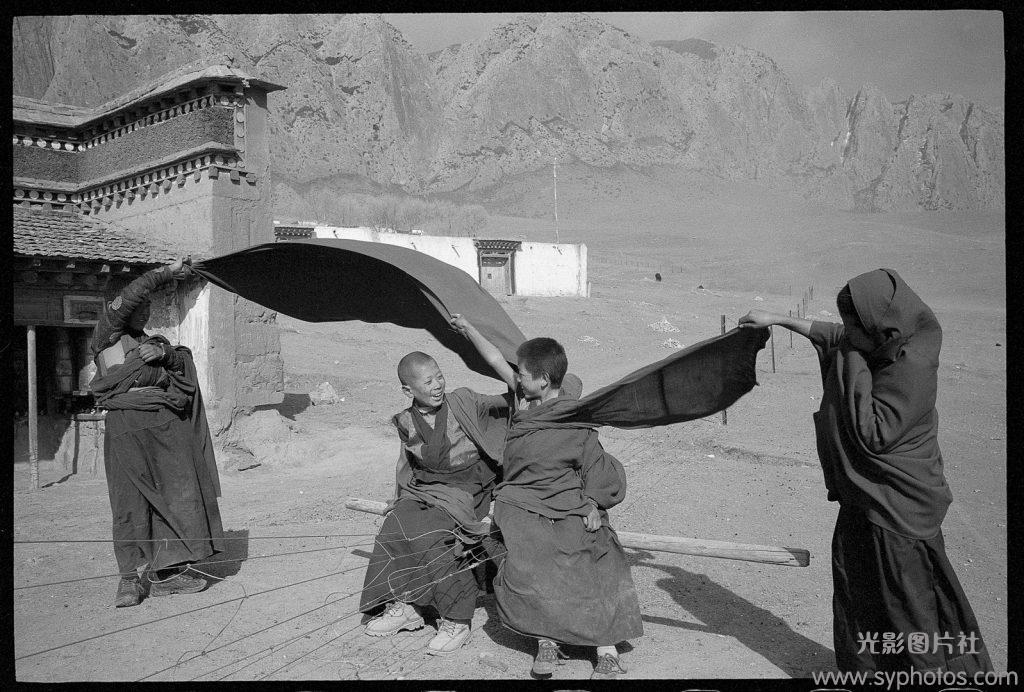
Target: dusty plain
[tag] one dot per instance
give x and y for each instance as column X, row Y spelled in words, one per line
column 286, row 608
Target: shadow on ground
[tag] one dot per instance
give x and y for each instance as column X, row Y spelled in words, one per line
column 228, row 563
column 293, row 404
column 725, row 613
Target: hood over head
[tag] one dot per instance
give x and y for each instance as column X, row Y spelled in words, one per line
column 893, row 316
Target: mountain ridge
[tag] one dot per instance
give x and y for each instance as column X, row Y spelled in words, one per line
column 363, row 102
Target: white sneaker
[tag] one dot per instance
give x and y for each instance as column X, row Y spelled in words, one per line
column 450, row 637
column 399, row 616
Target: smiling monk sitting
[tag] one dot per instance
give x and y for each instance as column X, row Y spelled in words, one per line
column 448, row 464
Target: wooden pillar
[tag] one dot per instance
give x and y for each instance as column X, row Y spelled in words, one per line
column 33, row 410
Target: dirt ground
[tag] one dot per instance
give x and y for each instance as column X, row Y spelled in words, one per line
column 285, row 608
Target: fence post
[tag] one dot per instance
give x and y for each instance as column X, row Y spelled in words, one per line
column 725, row 412
column 772, row 332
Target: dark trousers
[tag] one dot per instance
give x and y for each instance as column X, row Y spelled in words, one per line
column 888, row 586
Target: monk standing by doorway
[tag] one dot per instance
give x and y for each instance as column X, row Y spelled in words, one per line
column 161, row 472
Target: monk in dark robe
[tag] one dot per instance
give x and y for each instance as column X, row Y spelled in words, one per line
column 897, row 602
column 161, row 471
column 433, row 532
column 564, row 577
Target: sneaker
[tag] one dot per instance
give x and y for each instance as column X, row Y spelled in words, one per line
column 182, row 582
column 129, row 592
column 607, row 668
column 548, row 654
column 450, row 637
column 399, row 616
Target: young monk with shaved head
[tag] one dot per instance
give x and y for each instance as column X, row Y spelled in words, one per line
column 449, row 455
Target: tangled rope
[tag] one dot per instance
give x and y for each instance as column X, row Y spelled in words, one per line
column 443, row 567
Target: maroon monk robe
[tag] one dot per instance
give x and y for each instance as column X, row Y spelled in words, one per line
column 558, row 580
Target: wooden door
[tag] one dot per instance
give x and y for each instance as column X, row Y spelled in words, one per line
column 495, row 275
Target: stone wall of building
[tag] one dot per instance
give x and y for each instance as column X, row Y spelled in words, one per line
column 210, row 209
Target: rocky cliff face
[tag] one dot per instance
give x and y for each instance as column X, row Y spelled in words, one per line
column 362, row 107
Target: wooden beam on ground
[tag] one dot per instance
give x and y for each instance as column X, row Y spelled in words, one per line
column 767, row 554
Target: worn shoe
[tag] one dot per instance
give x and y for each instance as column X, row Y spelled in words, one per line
column 548, row 655
column 182, row 582
column 129, row 592
column 607, row 668
column 399, row 616
column 450, row 637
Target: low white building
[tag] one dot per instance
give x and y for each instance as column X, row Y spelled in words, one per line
column 503, row 267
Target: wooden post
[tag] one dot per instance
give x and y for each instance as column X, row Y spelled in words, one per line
column 791, row 332
column 768, row 554
column 725, row 413
column 772, row 332
column 554, row 173
column 33, row 410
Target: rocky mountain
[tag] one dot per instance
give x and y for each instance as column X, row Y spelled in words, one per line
column 364, row 110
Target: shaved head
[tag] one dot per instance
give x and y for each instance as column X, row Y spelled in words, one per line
column 410, row 365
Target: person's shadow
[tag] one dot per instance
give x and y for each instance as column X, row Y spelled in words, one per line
column 725, row 613
column 229, row 562
column 291, row 404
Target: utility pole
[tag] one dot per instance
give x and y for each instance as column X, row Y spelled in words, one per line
column 554, row 171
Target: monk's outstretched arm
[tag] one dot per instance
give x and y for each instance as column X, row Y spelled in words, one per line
column 763, row 318
column 114, row 320
column 487, row 350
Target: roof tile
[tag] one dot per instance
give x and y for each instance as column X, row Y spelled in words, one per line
column 52, row 233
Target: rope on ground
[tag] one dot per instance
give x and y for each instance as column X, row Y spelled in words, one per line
column 246, row 595
column 436, row 581
column 211, row 562
column 169, row 617
column 203, row 538
column 373, row 582
column 280, row 645
column 252, row 634
column 422, row 589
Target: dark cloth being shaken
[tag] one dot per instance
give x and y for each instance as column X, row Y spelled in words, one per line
column 329, row 280
column 377, row 282
column 692, row 383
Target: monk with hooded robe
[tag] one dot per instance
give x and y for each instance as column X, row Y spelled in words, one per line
column 877, row 438
column 161, row 472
